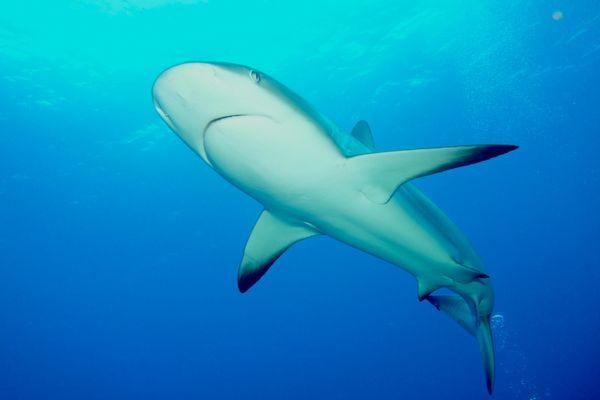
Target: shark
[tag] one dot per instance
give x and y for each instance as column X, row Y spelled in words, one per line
column 314, row 178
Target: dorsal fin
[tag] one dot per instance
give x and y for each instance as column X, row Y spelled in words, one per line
column 270, row 238
column 362, row 133
column 383, row 173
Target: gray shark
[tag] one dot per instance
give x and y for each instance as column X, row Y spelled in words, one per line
column 315, row 179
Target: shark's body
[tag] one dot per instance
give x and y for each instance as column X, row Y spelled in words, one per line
column 312, row 178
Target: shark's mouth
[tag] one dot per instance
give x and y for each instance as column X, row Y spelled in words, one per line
column 215, row 120
column 165, row 117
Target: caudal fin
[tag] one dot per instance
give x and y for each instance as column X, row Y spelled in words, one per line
column 458, row 309
column 486, row 346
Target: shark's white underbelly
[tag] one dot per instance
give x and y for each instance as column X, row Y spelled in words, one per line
column 276, row 163
column 304, row 176
column 388, row 231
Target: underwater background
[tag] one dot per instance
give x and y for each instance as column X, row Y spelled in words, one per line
column 119, row 248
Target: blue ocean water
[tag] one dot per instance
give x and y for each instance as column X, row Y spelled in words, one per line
column 119, row 248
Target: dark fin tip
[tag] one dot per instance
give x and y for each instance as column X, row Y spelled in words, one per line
column 500, row 149
column 247, row 280
column 434, row 301
column 243, row 286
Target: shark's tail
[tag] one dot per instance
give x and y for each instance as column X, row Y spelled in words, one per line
column 486, row 345
column 478, row 326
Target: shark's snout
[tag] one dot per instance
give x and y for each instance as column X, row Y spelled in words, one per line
column 179, row 83
column 188, row 96
column 180, row 76
column 174, row 88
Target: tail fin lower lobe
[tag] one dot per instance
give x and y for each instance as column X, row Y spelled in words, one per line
column 478, row 326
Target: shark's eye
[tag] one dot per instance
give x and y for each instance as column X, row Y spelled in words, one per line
column 255, row 76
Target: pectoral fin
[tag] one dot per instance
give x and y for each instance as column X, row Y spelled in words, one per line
column 385, row 172
column 271, row 236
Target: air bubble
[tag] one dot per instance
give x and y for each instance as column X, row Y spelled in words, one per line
column 557, row 15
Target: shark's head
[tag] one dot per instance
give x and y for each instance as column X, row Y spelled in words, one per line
column 192, row 97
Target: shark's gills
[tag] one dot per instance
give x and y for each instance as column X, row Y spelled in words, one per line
column 478, row 326
column 271, row 236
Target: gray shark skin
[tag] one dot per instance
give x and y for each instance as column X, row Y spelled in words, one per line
column 315, row 179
